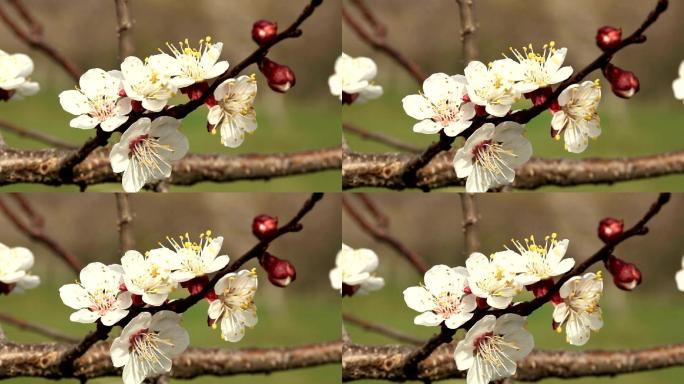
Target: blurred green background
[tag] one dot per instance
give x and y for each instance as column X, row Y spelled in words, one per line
column 308, row 311
column 649, row 316
column 428, row 32
column 306, row 118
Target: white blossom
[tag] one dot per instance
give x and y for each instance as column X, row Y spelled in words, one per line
column 146, row 150
column 492, row 347
column 234, row 110
column 234, row 305
column 540, row 262
column 15, row 72
column 356, row 268
column 678, row 84
column 442, row 298
column 441, row 105
column 579, row 310
column 679, row 277
column 149, row 276
column 493, row 87
column 98, row 101
column 148, row 82
column 541, row 69
column 493, row 279
column 354, row 77
column 15, row 266
column 490, row 156
column 196, row 259
column 578, row 119
column 98, row 295
column 147, row 345
column 190, row 65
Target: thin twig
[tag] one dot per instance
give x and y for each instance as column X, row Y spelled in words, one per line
column 380, row 218
column 35, row 135
column 380, row 138
column 470, row 219
column 37, row 328
column 381, row 329
column 468, row 29
column 124, row 25
column 125, row 217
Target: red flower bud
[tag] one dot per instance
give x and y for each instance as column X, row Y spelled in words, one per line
column 195, row 91
column 5, row 95
column 136, row 106
column 467, row 290
column 610, row 229
column 280, row 77
column 264, row 31
column 137, row 301
column 556, row 298
column 280, row 272
column 480, row 110
column 481, row 303
column 623, row 83
column 264, row 226
column 6, row 289
column 348, row 98
column 349, row 290
column 626, row 276
column 122, row 93
column 211, row 295
column 539, row 96
column 541, row 287
column 608, row 37
column 195, row 285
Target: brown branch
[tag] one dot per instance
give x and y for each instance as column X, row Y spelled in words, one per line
column 385, row 363
column 380, row 218
column 41, row 360
column 124, row 25
column 381, row 330
column 468, row 29
column 37, row 328
column 526, row 308
column 37, row 234
column 380, row 138
column 34, row 38
column 470, row 218
column 379, row 43
column 125, row 217
column 44, row 166
column 385, row 171
column 35, row 135
column 382, row 235
column 379, row 28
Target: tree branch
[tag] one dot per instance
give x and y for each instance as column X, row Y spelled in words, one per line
column 124, row 25
column 37, row 328
column 470, row 218
column 468, row 29
column 381, row 330
column 35, row 135
column 380, row 138
column 125, row 217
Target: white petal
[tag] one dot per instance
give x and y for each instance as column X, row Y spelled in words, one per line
column 428, row 319
column 418, row 299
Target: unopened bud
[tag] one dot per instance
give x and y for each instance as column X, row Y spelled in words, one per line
column 280, row 77
column 6, row 289
column 349, row 290
column 195, row 91
column 5, row 95
column 211, row 295
column 348, row 98
column 540, row 288
column 610, row 229
column 136, row 106
column 467, row 290
column 137, row 301
column 264, row 31
column 195, row 285
column 539, row 96
column 280, row 272
column 481, row 303
column 624, row 84
column 626, row 276
column 608, row 37
column 264, row 226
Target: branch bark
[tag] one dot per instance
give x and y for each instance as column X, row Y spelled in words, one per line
column 125, row 217
column 470, row 218
column 468, row 29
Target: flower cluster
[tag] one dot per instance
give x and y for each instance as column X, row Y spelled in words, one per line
column 107, row 99
column 354, row 271
column 109, row 293
column 352, row 81
column 448, row 104
column 15, row 72
column 492, row 346
column 15, row 266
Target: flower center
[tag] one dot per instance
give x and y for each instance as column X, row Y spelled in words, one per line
column 147, row 151
column 490, row 155
column 490, row 348
column 446, row 112
column 101, row 301
column 536, row 256
column 102, row 107
column 190, row 59
column 145, row 345
column 447, row 305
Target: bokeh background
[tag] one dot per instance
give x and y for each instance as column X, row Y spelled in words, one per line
column 431, row 225
column 428, row 32
column 307, row 117
column 308, row 311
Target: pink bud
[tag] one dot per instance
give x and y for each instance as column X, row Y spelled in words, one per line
column 280, row 272
column 6, row 289
column 349, row 290
column 264, row 226
column 123, row 288
column 610, row 229
column 540, row 288
column 626, row 276
column 608, row 37
column 137, row 301
column 624, row 84
column 195, row 285
column 280, row 77
column 481, row 303
column 122, row 93
column 136, row 106
column 264, row 31
column 467, row 290
column 195, row 91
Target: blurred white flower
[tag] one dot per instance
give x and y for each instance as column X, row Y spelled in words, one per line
column 579, row 310
column 146, row 150
column 541, row 262
column 493, row 279
column 234, row 110
column 194, row 259
column 441, row 105
column 149, row 81
column 147, row 345
column 492, row 347
column 192, row 65
column 442, row 298
column 98, row 295
column 15, row 72
column 678, row 84
column 354, row 271
column 578, row 119
column 352, row 81
column 234, row 304
column 490, row 156
column 540, row 70
column 679, row 277
column 15, row 265
column 149, row 276
column 98, row 101
column 493, row 87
